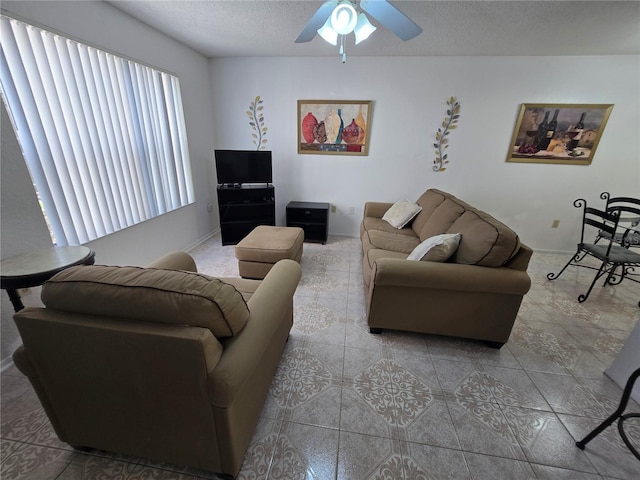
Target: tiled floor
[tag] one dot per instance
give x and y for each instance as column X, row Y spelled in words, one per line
column 346, row 404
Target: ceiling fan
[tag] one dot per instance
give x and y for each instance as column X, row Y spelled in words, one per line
column 342, row 18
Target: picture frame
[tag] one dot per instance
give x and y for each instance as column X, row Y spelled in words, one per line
column 572, row 139
column 334, row 127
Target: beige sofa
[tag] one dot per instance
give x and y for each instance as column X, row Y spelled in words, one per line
column 475, row 294
column 159, row 362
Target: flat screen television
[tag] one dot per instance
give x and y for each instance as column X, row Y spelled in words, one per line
column 243, row 166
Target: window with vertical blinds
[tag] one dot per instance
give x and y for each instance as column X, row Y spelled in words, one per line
column 103, row 137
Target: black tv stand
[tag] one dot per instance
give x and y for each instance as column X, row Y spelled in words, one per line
column 243, row 207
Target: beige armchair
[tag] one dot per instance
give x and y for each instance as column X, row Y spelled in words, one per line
column 158, row 362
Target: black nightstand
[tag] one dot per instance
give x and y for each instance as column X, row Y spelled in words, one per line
column 312, row 217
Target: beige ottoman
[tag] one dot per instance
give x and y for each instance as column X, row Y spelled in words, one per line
column 264, row 246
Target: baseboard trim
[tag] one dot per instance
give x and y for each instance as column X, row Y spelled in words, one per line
column 202, row 240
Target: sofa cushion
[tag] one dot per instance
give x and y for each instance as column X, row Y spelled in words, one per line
column 372, row 223
column 401, row 213
column 392, row 241
column 149, row 294
column 485, row 240
column 436, row 249
column 246, row 286
column 442, row 218
column 429, row 201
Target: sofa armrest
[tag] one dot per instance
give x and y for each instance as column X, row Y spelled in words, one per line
column 376, row 209
column 449, row 276
column 270, row 308
column 175, row 261
column 23, row 362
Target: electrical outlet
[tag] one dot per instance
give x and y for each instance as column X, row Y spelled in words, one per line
column 351, row 210
column 555, row 224
column 333, row 208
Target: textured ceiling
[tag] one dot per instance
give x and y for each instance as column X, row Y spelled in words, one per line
column 268, row 28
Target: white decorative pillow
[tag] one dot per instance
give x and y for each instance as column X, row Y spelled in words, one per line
column 401, row 213
column 436, row 249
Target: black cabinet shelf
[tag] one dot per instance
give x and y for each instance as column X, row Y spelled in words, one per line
column 312, row 217
column 243, row 208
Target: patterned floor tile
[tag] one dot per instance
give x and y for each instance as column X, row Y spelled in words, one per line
column 330, row 284
column 367, row 457
column 328, row 259
column 465, row 350
column 509, row 386
column 30, row 462
column 142, row 472
column 321, row 320
column 432, row 463
column 607, row 452
column 299, row 377
column 22, row 418
column 484, row 466
column 393, row 392
column 482, row 428
column 545, row 440
column 546, row 472
column 47, row 437
column 422, row 367
column 94, row 467
column 570, row 395
column 432, row 426
column 259, row 456
column 488, row 384
column 303, row 452
column 358, row 415
column 12, row 387
column 549, row 341
column 7, row 447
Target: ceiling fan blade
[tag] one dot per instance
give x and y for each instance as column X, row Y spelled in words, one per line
column 391, row 18
column 311, row 28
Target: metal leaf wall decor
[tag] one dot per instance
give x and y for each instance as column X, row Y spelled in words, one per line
column 256, row 120
column 442, row 140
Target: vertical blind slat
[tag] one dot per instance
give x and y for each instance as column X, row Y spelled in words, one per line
column 39, row 118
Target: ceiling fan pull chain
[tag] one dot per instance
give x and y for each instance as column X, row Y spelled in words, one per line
column 342, row 52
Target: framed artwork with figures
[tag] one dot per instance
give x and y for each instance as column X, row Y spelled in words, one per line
column 558, row 133
column 334, row 127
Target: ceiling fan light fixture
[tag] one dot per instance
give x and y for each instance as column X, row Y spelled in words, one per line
column 363, row 29
column 344, row 18
column 327, row 33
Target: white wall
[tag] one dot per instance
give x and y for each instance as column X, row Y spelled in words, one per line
column 409, row 95
column 22, row 225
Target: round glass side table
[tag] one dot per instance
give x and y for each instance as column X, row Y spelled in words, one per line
column 33, row 269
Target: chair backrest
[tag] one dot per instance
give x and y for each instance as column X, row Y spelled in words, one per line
column 605, row 223
column 628, row 211
column 627, row 208
column 124, row 386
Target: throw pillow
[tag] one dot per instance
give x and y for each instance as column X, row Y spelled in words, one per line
column 436, row 249
column 401, row 213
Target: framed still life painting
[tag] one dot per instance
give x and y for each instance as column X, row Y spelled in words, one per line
column 339, row 127
column 558, row 133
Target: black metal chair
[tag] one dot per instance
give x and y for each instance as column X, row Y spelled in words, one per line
column 617, row 415
column 628, row 209
column 617, row 261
